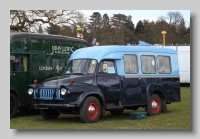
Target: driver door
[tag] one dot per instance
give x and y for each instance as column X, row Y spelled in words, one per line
column 108, row 81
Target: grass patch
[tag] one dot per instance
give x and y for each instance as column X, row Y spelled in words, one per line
column 177, row 118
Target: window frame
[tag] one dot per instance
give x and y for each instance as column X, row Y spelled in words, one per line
column 137, row 68
column 158, row 64
column 99, row 65
column 145, row 66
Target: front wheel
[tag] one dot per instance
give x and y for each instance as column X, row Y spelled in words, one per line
column 49, row 114
column 13, row 105
column 155, row 106
column 90, row 111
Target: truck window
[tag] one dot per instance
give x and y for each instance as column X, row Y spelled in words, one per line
column 107, row 67
column 84, row 66
column 164, row 64
column 18, row 63
column 148, row 64
column 130, row 64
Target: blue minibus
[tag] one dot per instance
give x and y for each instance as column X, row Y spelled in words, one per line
column 110, row 78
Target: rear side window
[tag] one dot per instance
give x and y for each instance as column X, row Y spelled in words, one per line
column 148, row 64
column 164, row 64
column 130, row 64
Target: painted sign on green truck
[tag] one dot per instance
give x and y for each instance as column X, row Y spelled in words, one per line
column 35, row 57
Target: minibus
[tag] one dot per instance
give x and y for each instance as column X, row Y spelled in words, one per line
column 110, row 78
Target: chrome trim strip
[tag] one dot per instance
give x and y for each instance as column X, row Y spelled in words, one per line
column 177, row 76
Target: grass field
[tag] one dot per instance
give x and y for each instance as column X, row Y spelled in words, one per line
column 177, row 118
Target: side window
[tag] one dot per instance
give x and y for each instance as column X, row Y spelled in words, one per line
column 130, row 64
column 18, row 63
column 164, row 64
column 148, row 64
column 107, row 67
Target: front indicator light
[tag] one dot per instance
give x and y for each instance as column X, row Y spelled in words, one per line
column 71, row 81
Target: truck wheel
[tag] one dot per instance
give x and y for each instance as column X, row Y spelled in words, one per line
column 13, row 105
column 164, row 105
column 90, row 111
column 49, row 114
column 117, row 112
column 155, row 105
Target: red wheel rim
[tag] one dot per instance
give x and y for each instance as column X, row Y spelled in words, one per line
column 155, row 105
column 92, row 110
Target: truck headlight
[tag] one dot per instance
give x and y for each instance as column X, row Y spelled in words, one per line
column 30, row 91
column 64, row 91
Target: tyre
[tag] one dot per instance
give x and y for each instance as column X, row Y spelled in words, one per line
column 13, row 105
column 155, row 106
column 90, row 111
column 164, row 105
column 117, row 112
column 49, row 114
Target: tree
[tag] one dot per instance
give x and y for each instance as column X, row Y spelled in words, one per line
column 40, row 29
column 30, row 20
column 118, row 20
column 174, row 18
column 139, row 28
column 106, row 21
column 130, row 24
column 95, row 22
column 54, row 29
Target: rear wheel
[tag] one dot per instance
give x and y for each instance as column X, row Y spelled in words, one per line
column 13, row 105
column 117, row 112
column 155, row 105
column 164, row 105
column 49, row 114
column 90, row 111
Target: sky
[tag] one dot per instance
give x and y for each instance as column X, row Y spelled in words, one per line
column 141, row 14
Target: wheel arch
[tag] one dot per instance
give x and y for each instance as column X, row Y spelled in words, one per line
column 156, row 89
column 96, row 95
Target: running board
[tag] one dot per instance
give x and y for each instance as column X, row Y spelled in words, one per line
column 114, row 107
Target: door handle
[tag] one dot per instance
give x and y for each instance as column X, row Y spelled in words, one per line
column 139, row 78
column 116, row 77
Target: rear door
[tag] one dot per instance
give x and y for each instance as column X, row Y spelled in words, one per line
column 131, row 84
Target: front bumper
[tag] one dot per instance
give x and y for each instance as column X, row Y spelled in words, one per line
column 53, row 106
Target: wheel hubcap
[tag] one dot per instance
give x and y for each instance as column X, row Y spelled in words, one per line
column 91, row 110
column 154, row 105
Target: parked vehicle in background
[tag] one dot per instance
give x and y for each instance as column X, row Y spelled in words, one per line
column 35, row 57
column 110, row 78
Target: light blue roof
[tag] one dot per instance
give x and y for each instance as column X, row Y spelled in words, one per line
column 142, row 43
column 114, row 51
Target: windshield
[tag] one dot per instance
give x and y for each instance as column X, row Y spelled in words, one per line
column 81, row 66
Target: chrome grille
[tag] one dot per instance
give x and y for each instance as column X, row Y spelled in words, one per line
column 47, row 93
column 57, row 93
